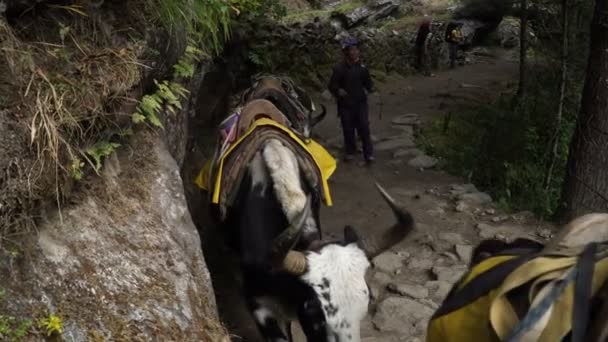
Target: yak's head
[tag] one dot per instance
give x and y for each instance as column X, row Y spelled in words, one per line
column 290, row 99
column 335, row 273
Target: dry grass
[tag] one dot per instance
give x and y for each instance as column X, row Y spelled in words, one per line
column 61, row 85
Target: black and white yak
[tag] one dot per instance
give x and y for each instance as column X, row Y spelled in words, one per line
column 288, row 272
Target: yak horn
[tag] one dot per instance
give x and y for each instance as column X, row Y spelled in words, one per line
column 295, row 263
column 283, row 243
column 315, row 120
column 383, row 241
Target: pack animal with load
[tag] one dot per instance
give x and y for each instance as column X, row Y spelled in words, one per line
column 269, row 212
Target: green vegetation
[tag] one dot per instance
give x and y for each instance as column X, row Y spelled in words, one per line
column 308, row 15
column 69, row 85
column 11, row 328
column 506, row 150
column 52, row 324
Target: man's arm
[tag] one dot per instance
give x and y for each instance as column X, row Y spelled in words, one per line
column 334, row 82
column 367, row 80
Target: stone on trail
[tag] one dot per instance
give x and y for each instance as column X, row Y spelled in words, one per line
column 389, row 262
column 407, row 119
column 406, row 130
column 459, row 189
column 453, row 238
column 404, row 152
column 465, row 252
column 461, row 207
column 409, row 290
column 439, row 288
column 478, row 198
column 500, row 218
column 423, row 263
column 423, row 161
column 450, row 274
column 486, row 231
column 393, row 144
column 402, row 315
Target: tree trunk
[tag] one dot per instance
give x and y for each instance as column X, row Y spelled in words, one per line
column 585, row 187
column 562, row 94
column 523, row 46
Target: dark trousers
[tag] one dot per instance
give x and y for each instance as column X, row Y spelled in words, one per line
column 453, row 52
column 352, row 119
column 422, row 60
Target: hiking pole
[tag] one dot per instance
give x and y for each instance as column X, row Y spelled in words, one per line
column 381, row 106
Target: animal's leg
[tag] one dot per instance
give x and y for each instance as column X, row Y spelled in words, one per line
column 312, row 320
column 267, row 322
column 288, row 329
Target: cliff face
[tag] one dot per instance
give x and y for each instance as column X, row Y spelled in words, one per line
column 123, row 262
column 120, row 259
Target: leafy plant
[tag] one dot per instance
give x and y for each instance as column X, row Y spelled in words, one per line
column 186, row 64
column 167, row 94
column 12, row 329
column 76, row 169
column 267, row 8
column 505, row 150
column 99, row 151
column 52, row 324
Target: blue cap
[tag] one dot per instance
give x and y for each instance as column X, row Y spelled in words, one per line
column 348, row 42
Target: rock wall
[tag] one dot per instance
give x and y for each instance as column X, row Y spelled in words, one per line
column 123, row 262
column 308, row 52
column 122, row 258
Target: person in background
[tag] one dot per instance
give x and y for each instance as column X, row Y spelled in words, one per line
column 350, row 83
column 424, row 29
column 454, row 39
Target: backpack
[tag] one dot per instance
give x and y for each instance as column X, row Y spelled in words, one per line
column 448, row 31
column 552, row 287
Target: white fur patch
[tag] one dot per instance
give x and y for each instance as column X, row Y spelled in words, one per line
column 284, row 170
column 337, row 274
column 262, row 314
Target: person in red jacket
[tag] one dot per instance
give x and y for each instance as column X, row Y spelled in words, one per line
column 350, row 83
column 424, row 28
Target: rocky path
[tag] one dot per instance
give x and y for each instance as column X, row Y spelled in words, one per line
column 410, row 281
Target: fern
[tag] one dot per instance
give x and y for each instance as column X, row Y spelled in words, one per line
column 101, row 150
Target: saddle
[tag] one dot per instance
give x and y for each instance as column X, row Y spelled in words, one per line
column 258, row 122
column 258, row 109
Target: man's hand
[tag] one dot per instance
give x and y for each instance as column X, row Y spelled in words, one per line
column 342, row 92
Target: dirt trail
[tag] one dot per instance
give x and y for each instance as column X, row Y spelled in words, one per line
column 420, row 270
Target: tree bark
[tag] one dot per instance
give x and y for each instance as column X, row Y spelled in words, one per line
column 523, row 46
column 562, row 94
column 585, row 187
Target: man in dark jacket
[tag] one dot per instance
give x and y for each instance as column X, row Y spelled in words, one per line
column 350, row 83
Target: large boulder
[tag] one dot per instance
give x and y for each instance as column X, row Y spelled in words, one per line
column 373, row 11
column 123, row 262
column 508, row 32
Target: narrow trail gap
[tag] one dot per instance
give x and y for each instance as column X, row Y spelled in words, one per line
column 357, row 203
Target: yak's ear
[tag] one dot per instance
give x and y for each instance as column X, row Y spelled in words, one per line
column 350, row 235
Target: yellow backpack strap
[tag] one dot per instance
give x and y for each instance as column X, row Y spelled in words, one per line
column 583, row 292
column 563, row 303
column 502, row 315
column 483, row 278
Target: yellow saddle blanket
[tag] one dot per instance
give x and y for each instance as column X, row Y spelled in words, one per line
column 222, row 174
